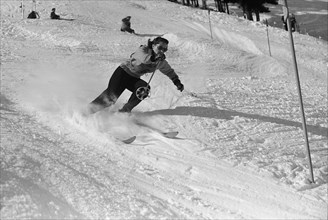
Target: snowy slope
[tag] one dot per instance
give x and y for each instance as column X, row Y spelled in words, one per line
column 240, row 153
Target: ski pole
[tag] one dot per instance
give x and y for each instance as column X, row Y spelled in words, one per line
column 151, row 77
column 143, row 92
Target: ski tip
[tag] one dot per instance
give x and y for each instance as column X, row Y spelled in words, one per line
column 171, row 134
column 129, row 140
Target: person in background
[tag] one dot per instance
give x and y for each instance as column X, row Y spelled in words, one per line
column 53, row 14
column 146, row 59
column 126, row 25
column 284, row 22
column 33, row 15
column 293, row 23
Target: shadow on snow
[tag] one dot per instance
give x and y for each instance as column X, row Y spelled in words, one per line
column 208, row 112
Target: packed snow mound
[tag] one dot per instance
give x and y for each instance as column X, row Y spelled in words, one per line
column 190, row 48
column 49, row 38
column 237, row 40
column 236, row 48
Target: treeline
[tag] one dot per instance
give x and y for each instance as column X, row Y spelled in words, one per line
column 247, row 6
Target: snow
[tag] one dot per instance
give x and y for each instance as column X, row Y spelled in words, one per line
column 240, row 152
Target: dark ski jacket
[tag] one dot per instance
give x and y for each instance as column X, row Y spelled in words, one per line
column 53, row 15
column 142, row 62
column 33, row 15
column 126, row 25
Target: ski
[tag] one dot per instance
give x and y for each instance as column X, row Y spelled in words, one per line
column 170, row 134
column 167, row 134
column 129, row 140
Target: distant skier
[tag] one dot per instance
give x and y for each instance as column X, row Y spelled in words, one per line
column 127, row 76
column 126, row 25
column 53, row 14
column 284, row 23
column 293, row 23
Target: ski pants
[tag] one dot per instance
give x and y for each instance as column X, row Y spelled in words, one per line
column 119, row 81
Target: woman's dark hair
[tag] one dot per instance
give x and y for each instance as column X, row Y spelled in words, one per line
column 157, row 40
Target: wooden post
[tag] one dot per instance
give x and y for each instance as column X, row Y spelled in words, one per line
column 266, row 21
column 209, row 21
column 34, row 3
column 286, row 16
column 22, row 8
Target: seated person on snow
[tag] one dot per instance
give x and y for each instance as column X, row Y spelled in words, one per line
column 126, row 25
column 53, row 14
column 33, row 15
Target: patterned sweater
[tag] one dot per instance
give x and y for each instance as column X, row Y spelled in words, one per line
column 140, row 63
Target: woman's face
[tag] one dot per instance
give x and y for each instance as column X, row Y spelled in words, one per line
column 161, row 47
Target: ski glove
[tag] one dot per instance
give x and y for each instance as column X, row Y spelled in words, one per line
column 178, row 84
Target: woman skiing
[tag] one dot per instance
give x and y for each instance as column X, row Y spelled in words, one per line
column 146, row 59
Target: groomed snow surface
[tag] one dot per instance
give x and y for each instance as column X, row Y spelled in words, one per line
column 240, row 152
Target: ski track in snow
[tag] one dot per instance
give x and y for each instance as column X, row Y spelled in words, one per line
column 240, row 151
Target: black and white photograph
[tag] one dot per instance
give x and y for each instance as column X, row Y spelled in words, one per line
column 164, row 109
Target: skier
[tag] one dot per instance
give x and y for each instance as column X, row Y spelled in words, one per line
column 53, row 14
column 293, row 23
column 126, row 25
column 146, row 59
column 284, row 23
